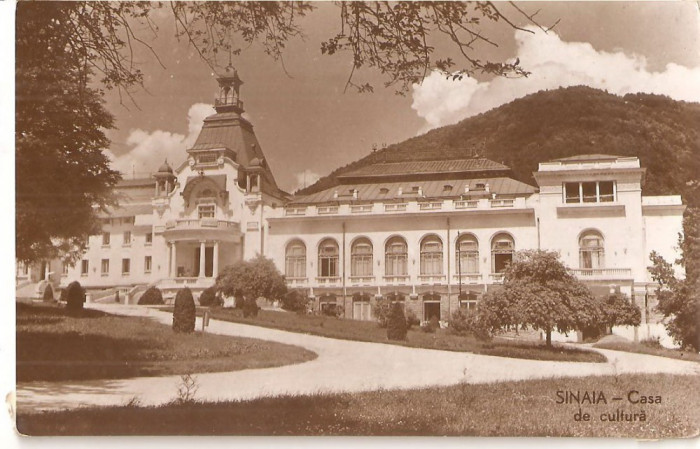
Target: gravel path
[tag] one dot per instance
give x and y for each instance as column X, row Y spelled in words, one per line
column 341, row 366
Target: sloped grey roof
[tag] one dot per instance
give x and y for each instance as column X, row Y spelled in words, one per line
column 425, row 167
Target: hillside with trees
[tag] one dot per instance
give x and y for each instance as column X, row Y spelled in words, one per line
column 663, row 133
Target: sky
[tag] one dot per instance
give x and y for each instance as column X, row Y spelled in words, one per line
column 307, row 126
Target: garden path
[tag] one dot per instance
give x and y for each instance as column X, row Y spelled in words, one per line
column 341, row 366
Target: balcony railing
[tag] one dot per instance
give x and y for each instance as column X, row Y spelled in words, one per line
column 602, row 273
column 297, row 282
column 361, row 280
column 397, row 279
column 501, row 203
column 328, row 280
column 327, row 210
column 468, row 278
column 431, row 278
column 395, row 207
column 361, row 208
column 466, row 204
column 295, row 211
column 434, row 205
column 496, row 277
column 198, row 223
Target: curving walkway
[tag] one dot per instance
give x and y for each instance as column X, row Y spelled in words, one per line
column 341, row 366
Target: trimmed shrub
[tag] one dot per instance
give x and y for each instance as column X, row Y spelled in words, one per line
column 295, row 301
column 151, row 297
column 75, row 296
column 381, row 310
column 427, row 328
column 250, row 308
column 48, row 293
column 460, row 322
column 210, row 298
column 184, row 312
column 396, row 327
column 411, row 319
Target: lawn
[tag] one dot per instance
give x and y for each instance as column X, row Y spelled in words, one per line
column 369, row 331
column 641, row 348
column 525, row 408
column 53, row 345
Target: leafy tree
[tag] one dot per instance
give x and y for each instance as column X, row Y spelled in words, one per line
column 250, row 308
column 538, row 291
column 396, row 327
column 618, row 310
column 210, row 298
column 184, row 311
column 152, row 296
column 679, row 301
column 256, row 278
column 295, row 301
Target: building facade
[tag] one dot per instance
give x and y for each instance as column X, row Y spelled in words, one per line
column 434, row 234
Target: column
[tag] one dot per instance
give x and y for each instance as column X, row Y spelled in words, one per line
column 173, row 260
column 46, row 270
column 202, row 257
column 216, row 260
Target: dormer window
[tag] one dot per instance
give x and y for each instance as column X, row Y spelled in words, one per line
column 589, row 192
column 209, row 158
column 480, row 186
column 383, row 191
column 447, row 188
column 206, row 210
column 415, row 189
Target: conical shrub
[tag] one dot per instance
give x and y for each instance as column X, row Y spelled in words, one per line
column 184, row 312
column 396, row 326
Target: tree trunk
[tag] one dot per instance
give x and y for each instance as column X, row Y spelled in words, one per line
column 549, row 338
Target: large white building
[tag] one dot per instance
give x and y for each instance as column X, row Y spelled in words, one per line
column 435, row 234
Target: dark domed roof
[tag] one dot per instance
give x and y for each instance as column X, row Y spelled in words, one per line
column 165, row 168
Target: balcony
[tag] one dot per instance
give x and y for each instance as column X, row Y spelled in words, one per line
column 328, row 280
column 395, row 207
column 181, row 282
column 361, row 209
column 468, row 278
column 466, row 204
column 397, row 279
column 501, row 203
column 431, row 279
column 295, row 211
column 202, row 228
column 496, row 278
column 327, row 210
column 361, row 280
column 433, row 205
column 297, row 282
column 602, row 274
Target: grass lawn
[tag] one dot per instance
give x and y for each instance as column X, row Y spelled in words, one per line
column 369, row 331
column 53, row 345
column 641, row 348
column 525, row 408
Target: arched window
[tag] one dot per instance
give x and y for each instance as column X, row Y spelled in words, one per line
column 431, row 255
column 361, row 258
column 328, row 258
column 467, row 254
column 591, row 250
column 502, row 248
column 396, row 257
column 295, row 260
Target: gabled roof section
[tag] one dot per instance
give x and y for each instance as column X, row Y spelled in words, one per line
column 438, row 167
column 429, row 189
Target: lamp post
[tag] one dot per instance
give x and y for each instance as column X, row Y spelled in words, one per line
column 459, row 267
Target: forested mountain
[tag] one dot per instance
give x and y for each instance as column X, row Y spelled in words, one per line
column 663, row 133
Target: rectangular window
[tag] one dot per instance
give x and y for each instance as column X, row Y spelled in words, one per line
column 329, row 266
column 127, row 237
column 105, row 239
column 105, row 267
column 126, row 266
column 147, row 262
column 589, row 192
column 149, row 238
column 84, row 267
column 206, row 210
column 64, row 269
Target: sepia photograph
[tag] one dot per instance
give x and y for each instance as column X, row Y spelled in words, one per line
column 291, row 218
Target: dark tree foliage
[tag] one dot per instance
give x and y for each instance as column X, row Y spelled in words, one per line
column 381, row 310
column 679, row 301
column 151, row 297
column 250, row 308
column 396, row 326
column 184, row 312
column 74, row 296
column 295, row 301
column 255, row 278
column 210, row 298
column 538, row 291
column 61, row 172
column 618, row 310
column 48, row 293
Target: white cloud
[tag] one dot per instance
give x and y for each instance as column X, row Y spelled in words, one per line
column 553, row 63
column 151, row 148
column 305, row 179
